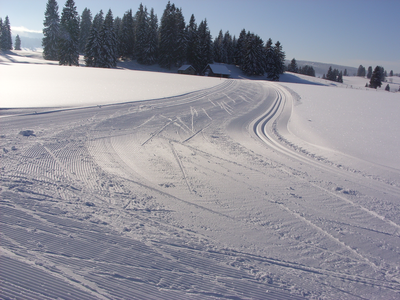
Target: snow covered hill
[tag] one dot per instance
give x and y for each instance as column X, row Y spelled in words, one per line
column 124, row 184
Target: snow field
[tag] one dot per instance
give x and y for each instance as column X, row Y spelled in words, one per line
column 205, row 195
column 38, row 85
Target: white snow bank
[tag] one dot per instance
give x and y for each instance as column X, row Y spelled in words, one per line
column 360, row 123
column 38, row 85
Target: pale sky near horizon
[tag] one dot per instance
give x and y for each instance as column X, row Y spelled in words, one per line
column 350, row 32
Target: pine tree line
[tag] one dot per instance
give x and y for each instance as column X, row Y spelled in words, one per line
column 333, row 75
column 306, row 70
column 170, row 42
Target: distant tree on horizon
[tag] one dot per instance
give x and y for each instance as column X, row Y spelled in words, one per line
column 17, row 43
column 375, row 81
column 345, row 72
column 5, row 37
column 361, row 71
column 369, row 73
column 391, row 73
column 292, row 67
column 51, row 31
column 69, row 36
column 307, row 70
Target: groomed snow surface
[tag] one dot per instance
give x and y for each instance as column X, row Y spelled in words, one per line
column 136, row 184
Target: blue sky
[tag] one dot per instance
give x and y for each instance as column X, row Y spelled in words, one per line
column 351, row 32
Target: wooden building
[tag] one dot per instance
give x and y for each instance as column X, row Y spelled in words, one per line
column 187, row 69
column 215, row 70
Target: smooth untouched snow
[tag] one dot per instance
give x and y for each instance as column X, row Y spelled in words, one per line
column 219, row 189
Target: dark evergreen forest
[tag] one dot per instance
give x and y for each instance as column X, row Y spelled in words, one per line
column 170, row 41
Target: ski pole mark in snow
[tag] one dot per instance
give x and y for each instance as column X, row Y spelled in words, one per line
column 178, row 160
column 158, row 132
column 207, row 114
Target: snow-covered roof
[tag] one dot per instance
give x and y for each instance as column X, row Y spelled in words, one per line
column 185, row 67
column 219, row 69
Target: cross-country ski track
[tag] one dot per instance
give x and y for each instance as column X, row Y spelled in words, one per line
column 205, row 195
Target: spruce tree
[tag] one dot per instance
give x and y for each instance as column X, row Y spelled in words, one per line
column 228, row 48
column 117, row 30
column 345, row 72
column 254, row 59
column 108, row 43
column 51, row 31
column 152, row 46
column 361, row 71
column 219, row 51
column 271, row 59
column 375, row 81
column 240, row 49
column 387, row 88
column 292, row 67
column 340, row 77
column 280, row 57
column 168, row 56
column 141, row 34
column 84, row 29
column 205, row 46
column 127, row 36
column 192, row 50
column 391, row 73
column 17, row 43
column 93, row 45
column 369, row 74
column 69, row 35
column 181, row 37
column 5, row 39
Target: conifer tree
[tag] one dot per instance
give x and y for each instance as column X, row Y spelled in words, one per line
column 340, row 77
column 168, row 37
column 181, row 38
column 391, row 73
column 254, row 59
column 387, row 88
column 152, row 46
column 345, row 72
column 117, row 30
column 17, row 43
column 141, row 34
column 192, row 50
column 51, row 31
column 93, row 45
column 375, row 81
column 5, row 39
column 219, row 51
column 369, row 74
column 361, row 71
column 228, row 48
column 292, row 67
column 127, row 36
column 280, row 57
column 205, row 46
column 271, row 66
column 69, row 35
column 84, row 29
column 240, row 48
column 108, row 43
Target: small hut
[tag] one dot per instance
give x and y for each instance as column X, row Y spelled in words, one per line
column 187, row 69
column 217, row 71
